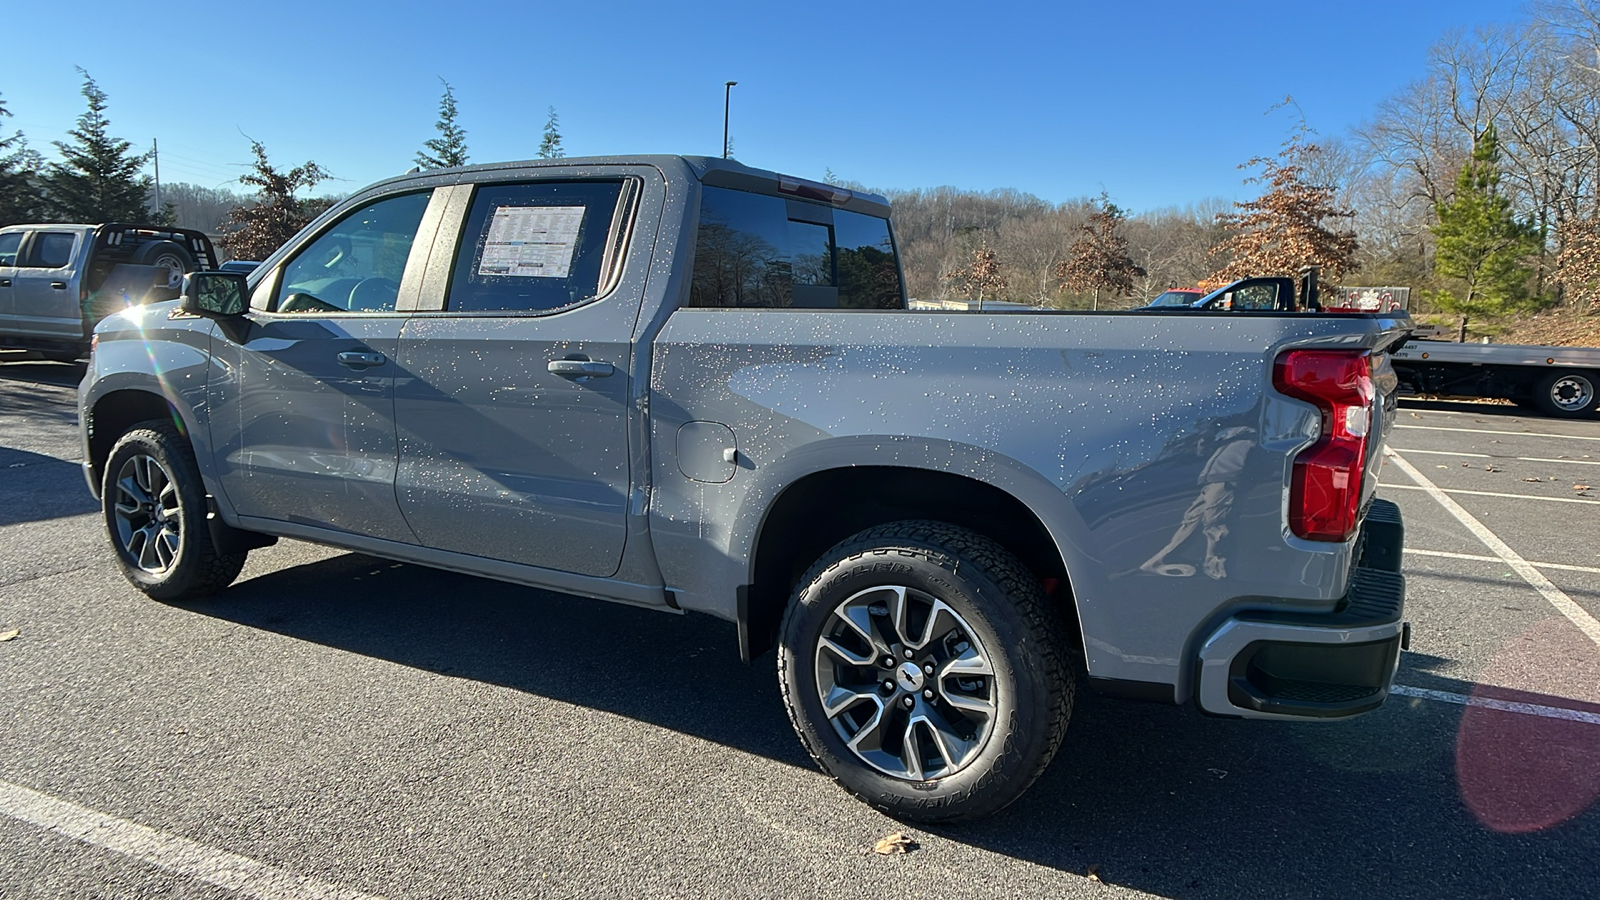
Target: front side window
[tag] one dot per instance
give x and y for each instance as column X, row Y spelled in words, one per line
column 8, row 248
column 539, row 247
column 356, row 265
column 756, row 251
column 51, row 250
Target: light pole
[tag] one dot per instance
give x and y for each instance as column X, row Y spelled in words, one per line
column 727, row 94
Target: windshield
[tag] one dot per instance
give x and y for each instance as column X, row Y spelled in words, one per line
column 1176, row 298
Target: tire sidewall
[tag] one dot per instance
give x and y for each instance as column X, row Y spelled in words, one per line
column 1021, row 727
column 177, row 580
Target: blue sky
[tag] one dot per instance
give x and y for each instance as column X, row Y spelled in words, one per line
column 1155, row 102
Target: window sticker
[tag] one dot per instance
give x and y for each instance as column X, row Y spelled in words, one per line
column 531, row 241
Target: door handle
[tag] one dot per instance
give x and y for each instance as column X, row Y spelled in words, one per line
column 580, row 368
column 361, row 359
column 59, row 285
column 5, row 282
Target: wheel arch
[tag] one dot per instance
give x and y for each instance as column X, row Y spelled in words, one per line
column 113, row 413
column 822, row 508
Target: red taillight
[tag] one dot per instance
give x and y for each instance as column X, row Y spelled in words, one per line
column 1325, row 490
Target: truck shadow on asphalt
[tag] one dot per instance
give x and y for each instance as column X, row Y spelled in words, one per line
column 1397, row 803
column 38, row 487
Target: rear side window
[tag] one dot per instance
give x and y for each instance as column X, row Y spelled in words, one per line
column 755, row 251
column 50, row 250
column 539, row 247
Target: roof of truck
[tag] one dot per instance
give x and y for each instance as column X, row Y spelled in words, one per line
column 707, row 169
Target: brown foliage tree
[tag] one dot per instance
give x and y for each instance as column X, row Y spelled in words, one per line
column 981, row 276
column 1099, row 257
column 276, row 214
column 1283, row 230
column 1578, row 264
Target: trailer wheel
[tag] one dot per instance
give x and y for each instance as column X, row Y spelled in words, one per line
column 1567, row 394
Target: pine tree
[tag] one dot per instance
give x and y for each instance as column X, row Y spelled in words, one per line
column 1480, row 245
column 98, row 178
column 450, row 147
column 275, row 214
column 1099, row 257
column 550, row 146
column 1284, row 229
column 20, row 200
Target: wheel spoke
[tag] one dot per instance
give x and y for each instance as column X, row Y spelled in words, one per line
column 968, row 662
column 841, row 698
column 869, row 739
column 166, row 547
column 129, row 487
column 845, row 654
column 149, row 557
column 943, row 738
column 859, row 617
column 911, row 750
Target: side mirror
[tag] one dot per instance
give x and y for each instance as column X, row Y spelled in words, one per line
column 216, row 295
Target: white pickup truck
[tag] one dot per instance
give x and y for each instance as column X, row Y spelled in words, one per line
column 57, row 281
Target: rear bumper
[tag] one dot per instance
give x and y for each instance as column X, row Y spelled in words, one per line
column 1267, row 664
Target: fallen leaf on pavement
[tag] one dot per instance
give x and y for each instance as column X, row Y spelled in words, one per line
column 1535, row 480
column 8, row 635
column 1490, row 469
column 1580, row 487
column 895, row 843
column 1220, row 773
column 1094, row 872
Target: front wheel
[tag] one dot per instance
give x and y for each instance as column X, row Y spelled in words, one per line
column 1567, row 394
column 924, row 671
column 155, row 513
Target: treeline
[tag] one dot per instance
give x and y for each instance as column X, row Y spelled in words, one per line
column 99, row 178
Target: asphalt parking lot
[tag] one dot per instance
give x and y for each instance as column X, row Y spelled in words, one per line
column 340, row 726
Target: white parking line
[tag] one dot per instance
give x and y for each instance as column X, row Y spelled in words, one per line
column 1565, row 437
column 165, row 851
column 1528, row 709
column 1545, row 459
column 1474, row 556
column 1575, row 613
column 1412, row 487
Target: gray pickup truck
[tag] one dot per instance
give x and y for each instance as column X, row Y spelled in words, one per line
column 690, row 385
column 58, row 281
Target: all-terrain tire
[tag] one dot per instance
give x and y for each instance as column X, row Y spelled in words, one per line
column 154, row 506
column 1003, row 612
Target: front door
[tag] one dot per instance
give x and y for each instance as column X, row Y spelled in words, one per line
column 44, row 295
column 303, row 422
column 513, row 410
column 10, row 244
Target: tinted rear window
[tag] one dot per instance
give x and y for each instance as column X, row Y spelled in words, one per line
column 755, row 251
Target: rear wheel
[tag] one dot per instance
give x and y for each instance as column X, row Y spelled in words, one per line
column 1567, row 394
column 924, row 671
column 155, row 512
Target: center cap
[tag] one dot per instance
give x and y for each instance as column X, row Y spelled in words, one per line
column 909, row 677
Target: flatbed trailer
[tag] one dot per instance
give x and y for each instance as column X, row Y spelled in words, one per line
column 1558, row 381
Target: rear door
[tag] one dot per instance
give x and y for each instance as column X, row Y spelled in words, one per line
column 44, row 290
column 513, row 412
column 303, row 420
